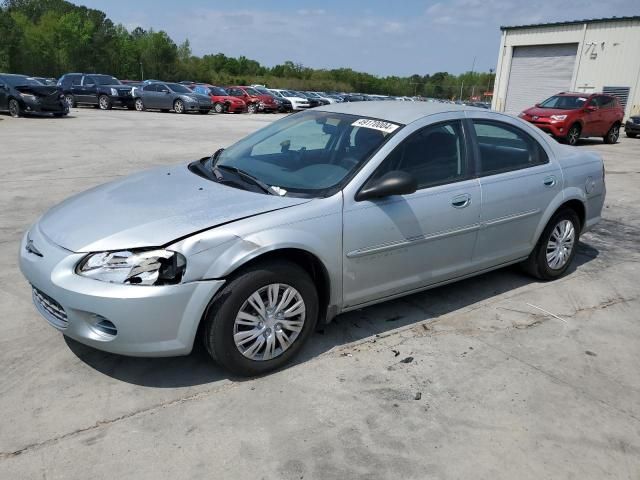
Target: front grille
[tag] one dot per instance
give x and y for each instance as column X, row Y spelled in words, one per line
column 50, row 309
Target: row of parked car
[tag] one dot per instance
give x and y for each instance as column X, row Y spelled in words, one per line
column 105, row 92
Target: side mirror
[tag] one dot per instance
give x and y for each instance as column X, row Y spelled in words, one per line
column 537, row 105
column 391, row 183
column 164, row 90
column 591, row 108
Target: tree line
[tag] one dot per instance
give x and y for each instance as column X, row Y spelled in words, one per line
column 53, row 37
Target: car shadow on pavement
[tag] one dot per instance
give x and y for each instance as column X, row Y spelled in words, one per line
column 198, row 368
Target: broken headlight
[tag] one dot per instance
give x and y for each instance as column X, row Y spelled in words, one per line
column 134, row 267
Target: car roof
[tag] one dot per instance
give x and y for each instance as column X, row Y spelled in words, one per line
column 394, row 111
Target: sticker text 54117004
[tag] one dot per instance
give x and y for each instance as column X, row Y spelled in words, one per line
column 386, row 127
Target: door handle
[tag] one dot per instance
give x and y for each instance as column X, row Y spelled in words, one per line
column 550, row 181
column 461, row 201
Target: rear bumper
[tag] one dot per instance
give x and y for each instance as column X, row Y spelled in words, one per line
column 150, row 320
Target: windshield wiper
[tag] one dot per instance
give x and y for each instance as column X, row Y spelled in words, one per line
column 247, row 177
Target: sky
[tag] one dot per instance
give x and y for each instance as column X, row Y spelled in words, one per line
column 399, row 37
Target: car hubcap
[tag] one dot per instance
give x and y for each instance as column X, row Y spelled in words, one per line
column 103, row 103
column 218, row 108
column 179, row 107
column 560, row 244
column 139, row 105
column 69, row 100
column 13, row 108
column 615, row 131
column 573, row 136
column 269, row 322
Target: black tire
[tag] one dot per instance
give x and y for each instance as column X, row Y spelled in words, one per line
column 205, row 112
column 537, row 264
column 70, row 99
column 178, row 106
column 631, row 135
column 14, row 108
column 218, row 107
column 573, row 134
column 217, row 332
column 59, row 115
column 104, row 102
column 252, row 108
column 139, row 105
column 612, row 135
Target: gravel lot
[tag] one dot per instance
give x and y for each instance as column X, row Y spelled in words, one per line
column 497, row 388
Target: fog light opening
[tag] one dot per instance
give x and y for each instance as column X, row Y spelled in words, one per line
column 104, row 327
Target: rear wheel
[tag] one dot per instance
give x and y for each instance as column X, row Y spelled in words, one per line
column 573, row 135
column 613, row 134
column 178, row 106
column 556, row 247
column 139, row 104
column 104, row 102
column 71, row 101
column 261, row 319
column 218, row 107
column 14, row 108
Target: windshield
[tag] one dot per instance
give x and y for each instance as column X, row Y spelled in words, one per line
column 564, row 102
column 308, row 153
column 20, row 80
column 177, row 88
column 106, row 80
column 218, row 91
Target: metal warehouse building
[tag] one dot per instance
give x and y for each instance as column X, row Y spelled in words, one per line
column 537, row 61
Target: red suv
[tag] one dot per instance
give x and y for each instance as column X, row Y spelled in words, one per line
column 255, row 100
column 570, row 116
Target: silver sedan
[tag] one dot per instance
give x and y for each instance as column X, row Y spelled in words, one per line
column 251, row 249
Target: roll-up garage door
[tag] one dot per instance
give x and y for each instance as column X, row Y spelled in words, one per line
column 537, row 72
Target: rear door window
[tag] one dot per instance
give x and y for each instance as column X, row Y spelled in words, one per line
column 503, row 148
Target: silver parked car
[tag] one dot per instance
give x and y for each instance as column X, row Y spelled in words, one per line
column 170, row 96
column 319, row 213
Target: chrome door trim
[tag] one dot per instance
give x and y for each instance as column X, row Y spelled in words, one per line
column 411, row 241
column 509, row 218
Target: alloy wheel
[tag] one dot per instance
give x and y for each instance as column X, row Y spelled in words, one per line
column 573, row 136
column 614, row 133
column 218, row 108
column 269, row 322
column 252, row 108
column 104, row 102
column 179, row 106
column 139, row 105
column 70, row 101
column 14, row 108
column 560, row 244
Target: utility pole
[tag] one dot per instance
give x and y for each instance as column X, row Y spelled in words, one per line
column 141, row 72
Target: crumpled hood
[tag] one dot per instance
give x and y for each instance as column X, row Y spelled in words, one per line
column 150, row 209
column 39, row 90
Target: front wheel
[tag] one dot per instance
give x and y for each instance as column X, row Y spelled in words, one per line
column 178, row 106
column 612, row 135
column 556, row 247
column 218, row 107
column 139, row 104
column 261, row 319
column 573, row 135
column 14, row 108
column 104, row 102
column 252, row 108
column 71, row 101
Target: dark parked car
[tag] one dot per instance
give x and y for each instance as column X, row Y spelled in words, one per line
column 313, row 101
column 284, row 105
column 222, row 101
column 353, row 98
column 632, row 127
column 21, row 95
column 570, row 116
column 171, row 96
column 102, row 91
column 256, row 101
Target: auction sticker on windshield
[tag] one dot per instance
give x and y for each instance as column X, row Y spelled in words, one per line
column 375, row 124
